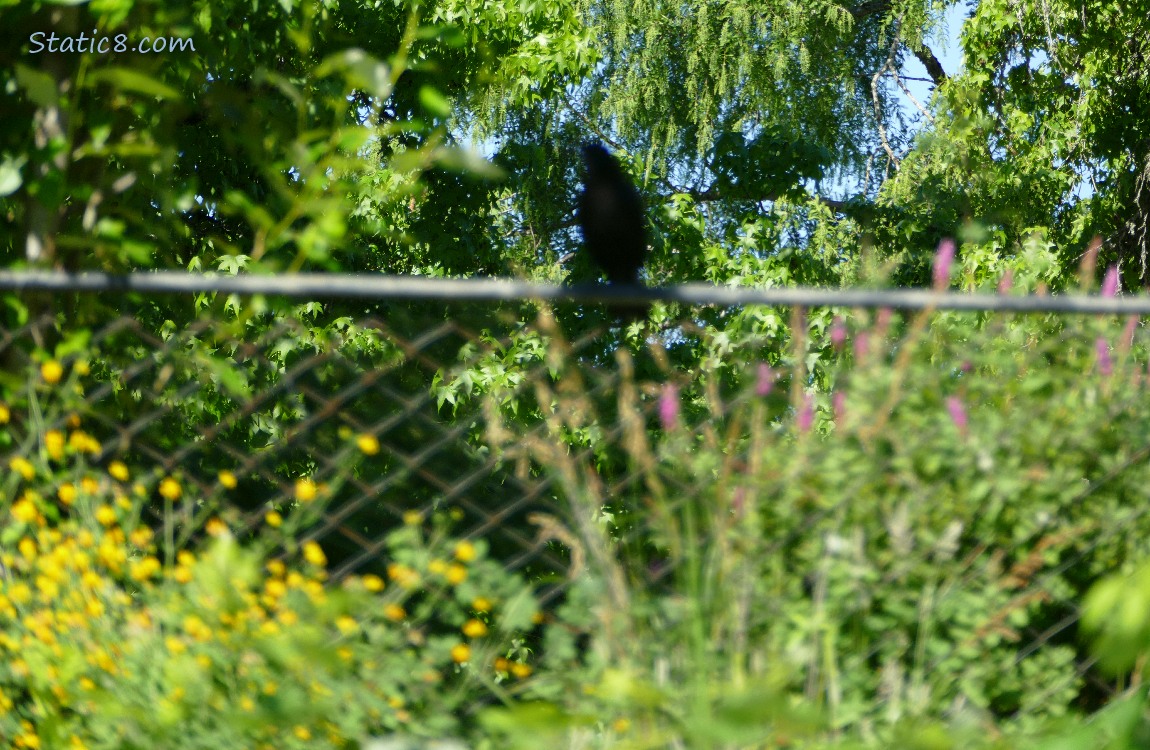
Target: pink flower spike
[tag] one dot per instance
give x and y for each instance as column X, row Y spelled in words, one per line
column 838, row 333
column 957, row 413
column 738, row 501
column 943, row 259
column 766, row 380
column 862, row 345
column 1110, row 283
column 669, row 406
column 1105, row 364
column 1007, row 282
column 1127, row 339
column 806, row 414
column 882, row 321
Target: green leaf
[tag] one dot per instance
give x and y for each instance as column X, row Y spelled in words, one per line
column 434, row 102
column 10, row 178
column 361, row 70
column 40, row 86
column 127, row 79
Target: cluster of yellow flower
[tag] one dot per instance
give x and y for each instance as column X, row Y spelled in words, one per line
column 90, row 614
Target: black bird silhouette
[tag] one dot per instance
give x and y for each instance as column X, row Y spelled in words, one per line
column 612, row 219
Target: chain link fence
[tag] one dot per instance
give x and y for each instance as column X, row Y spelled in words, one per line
column 596, row 452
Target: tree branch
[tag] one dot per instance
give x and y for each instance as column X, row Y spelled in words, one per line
column 932, row 65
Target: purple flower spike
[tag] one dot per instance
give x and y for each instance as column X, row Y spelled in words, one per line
column 1007, row 282
column 669, row 406
column 766, row 380
column 862, row 345
column 943, row 259
column 1105, row 364
column 957, row 413
column 1110, row 283
column 838, row 333
column 806, row 414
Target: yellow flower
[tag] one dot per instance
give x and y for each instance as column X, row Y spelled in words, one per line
column 54, row 444
column 502, row 665
column 28, row 740
column 182, row 574
column 170, row 489
column 111, row 556
column 372, row 582
column 74, row 419
column 22, row 466
column 520, row 670
column 412, row 517
column 49, row 589
column 118, row 470
column 83, row 442
column 481, row 604
column 215, row 527
column 403, row 575
column 369, row 444
column 302, row 733
column 305, row 490
column 313, row 553
column 5, row 414
column 621, row 725
column 346, row 625
column 51, row 371
column 141, row 537
column 274, row 519
column 142, row 570
column 474, row 628
column 90, row 485
column 276, row 568
column 460, row 653
column 24, row 511
column 83, row 367
column 465, row 551
column 67, row 493
column 228, row 480
column 105, row 515
column 456, row 574
column 175, row 645
column 394, row 612
column 197, row 628
column 20, row 593
column 438, row 567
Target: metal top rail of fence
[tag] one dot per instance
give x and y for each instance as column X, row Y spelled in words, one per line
column 329, row 285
